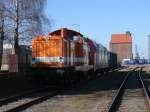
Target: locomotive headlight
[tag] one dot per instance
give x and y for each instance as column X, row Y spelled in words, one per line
column 61, row 59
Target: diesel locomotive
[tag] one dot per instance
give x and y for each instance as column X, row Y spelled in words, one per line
column 64, row 52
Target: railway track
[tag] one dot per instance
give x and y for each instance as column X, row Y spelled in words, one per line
column 26, row 100
column 91, row 97
column 132, row 96
column 22, row 101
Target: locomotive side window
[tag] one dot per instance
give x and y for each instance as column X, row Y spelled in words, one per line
column 75, row 38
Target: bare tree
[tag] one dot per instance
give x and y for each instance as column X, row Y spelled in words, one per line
column 25, row 19
column 1, row 32
column 21, row 20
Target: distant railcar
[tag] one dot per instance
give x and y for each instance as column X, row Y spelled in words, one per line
column 142, row 61
column 112, row 59
column 127, row 62
column 147, row 61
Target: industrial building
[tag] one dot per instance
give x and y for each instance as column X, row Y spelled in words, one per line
column 121, row 44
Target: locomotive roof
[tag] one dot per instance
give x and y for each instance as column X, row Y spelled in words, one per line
column 58, row 32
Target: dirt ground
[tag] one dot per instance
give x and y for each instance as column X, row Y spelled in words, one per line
column 95, row 96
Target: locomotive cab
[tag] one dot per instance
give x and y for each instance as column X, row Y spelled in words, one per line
column 62, row 48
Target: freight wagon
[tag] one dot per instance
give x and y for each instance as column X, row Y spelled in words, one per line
column 67, row 50
column 112, row 60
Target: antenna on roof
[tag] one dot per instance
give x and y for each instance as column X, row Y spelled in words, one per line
column 77, row 25
column 128, row 33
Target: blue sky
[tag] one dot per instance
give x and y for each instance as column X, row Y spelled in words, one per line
column 98, row 19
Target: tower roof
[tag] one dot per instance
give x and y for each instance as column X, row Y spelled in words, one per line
column 121, row 38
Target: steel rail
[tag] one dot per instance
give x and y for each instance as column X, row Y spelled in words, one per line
column 28, row 104
column 147, row 94
column 21, row 95
column 117, row 97
column 33, row 102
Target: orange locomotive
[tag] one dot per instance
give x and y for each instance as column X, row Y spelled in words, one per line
column 67, row 51
column 61, row 49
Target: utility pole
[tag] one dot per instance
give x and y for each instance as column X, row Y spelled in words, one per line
column 148, row 51
column 136, row 53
